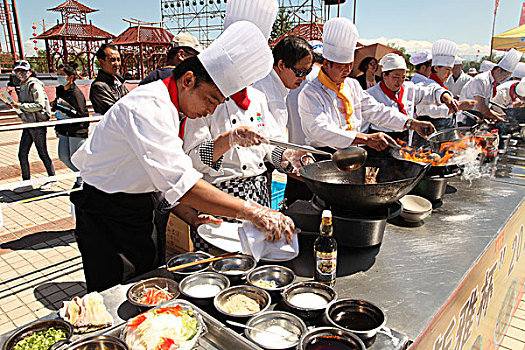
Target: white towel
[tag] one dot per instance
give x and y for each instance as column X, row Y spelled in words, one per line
column 254, row 243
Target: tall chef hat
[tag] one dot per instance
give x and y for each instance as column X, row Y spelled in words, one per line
column 239, row 57
column 510, row 60
column 421, row 57
column 317, row 46
column 486, row 66
column 339, row 40
column 262, row 13
column 519, row 71
column 444, row 53
column 458, row 61
column 392, row 61
column 520, row 88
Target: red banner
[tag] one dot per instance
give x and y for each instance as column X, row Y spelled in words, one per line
column 522, row 18
column 496, row 8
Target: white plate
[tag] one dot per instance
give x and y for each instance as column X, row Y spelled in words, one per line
column 226, row 237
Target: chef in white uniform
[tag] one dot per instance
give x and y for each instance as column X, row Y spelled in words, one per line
column 510, row 94
column 486, row 66
column 422, row 62
column 519, row 72
column 458, row 79
column 332, row 107
column 134, row 151
column 394, row 91
column 483, row 87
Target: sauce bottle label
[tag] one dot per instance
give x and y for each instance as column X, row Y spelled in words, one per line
column 325, row 266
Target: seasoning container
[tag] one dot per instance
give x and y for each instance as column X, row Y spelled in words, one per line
column 492, row 145
column 325, row 252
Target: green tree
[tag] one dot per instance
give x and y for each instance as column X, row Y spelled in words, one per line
column 403, row 51
column 283, row 24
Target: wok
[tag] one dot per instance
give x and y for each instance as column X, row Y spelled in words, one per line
column 447, row 135
column 447, row 170
column 347, row 191
column 516, row 115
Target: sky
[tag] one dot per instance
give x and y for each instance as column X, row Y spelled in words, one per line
column 413, row 24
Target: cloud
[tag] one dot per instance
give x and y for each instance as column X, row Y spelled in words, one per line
column 412, row 46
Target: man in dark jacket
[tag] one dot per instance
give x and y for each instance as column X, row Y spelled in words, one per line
column 108, row 87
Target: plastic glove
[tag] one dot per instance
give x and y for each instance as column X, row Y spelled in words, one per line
column 245, row 136
column 272, row 223
column 296, row 158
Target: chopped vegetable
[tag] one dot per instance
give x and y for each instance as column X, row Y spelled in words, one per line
column 154, row 296
column 41, row 340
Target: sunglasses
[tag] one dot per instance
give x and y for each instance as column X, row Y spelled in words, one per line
column 300, row 73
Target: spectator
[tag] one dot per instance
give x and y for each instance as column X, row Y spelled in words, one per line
column 369, row 68
column 108, row 87
column 34, row 107
column 184, row 45
column 70, row 103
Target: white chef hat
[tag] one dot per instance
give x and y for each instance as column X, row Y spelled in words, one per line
column 317, row 46
column 510, row 60
column 519, row 71
column 486, row 66
column 421, row 57
column 392, row 61
column 444, row 53
column 262, row 13
column 239, row 57
column 472, row 70
column 458, row 60
column 339, row 40
column 520, row 88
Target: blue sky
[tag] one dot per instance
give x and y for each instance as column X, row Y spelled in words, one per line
column 414, row 24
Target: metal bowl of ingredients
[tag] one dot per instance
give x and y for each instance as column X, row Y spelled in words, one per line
column 235, row 268
column 308, row 300
column 153, row 291
column 188, row 258
column 271, row 278
column 54, row 332
column 360, row 317
column 201, row 288
column 279, row 330
column 330, row 338
column 242, row 302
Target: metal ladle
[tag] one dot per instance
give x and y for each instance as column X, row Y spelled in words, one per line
column 345, row 159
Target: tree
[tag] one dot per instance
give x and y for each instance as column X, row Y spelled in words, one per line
column 403, row 51
column 283, row 24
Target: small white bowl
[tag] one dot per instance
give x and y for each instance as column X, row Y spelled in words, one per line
column 415, row 204
column 415, row 217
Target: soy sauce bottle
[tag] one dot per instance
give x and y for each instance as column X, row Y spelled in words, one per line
column 325, row 252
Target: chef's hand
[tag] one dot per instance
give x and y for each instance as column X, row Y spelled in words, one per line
column 379, row 141
column 245, row 136
column 518, row 104
column 272, row 223
column 494, row 116
column 467, row 105
column 297, row 159
column 451, row 103
column 206, row 219
column 422, row 128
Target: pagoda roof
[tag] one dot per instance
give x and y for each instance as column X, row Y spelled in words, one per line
column 144, row 35
column 75, row 31
column 309, row 31
column 72, row 6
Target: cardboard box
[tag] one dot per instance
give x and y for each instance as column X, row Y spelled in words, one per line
column 178, row 235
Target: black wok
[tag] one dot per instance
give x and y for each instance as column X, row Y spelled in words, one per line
column 347, row 191
column 447, row 170
column 447, row 135
column 513, row 115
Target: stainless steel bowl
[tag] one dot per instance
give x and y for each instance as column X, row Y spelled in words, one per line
column 333, row 335
column 99, row 342
column 136, row 290
column 188, row 258
column 235, row 268
column 285, row 320
column 199, row 279
column 280, row 275
column 360, row 317
column 260, row 296
column 38, row 326
column 307, row 312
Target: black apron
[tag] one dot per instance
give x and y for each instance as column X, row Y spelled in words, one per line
column 116, row 234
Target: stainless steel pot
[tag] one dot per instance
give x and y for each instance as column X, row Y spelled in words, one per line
column 99, row 342
column 39, row 326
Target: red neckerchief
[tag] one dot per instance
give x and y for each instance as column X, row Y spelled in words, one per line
column 512, row 91
column 393, row 97
column 494, row 84
column 434, row 77
column 241, row 99
column 171, row 85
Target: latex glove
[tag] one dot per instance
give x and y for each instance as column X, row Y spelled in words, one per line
column 272, row 223
column 245, row 136
column 423, row 128
column 296, row 158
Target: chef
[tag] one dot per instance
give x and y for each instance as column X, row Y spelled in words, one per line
column 226, row 146
column 483, row 86
column 458, row 79
column 332, row 107
column 422, row 62
column 135, row 151
column 519, row 72
column 510, row 94
column 394, row 91
column 486, row 66
column 443, row 59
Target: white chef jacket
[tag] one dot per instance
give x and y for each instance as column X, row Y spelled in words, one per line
column 503, row 95
column 325, row 126
column 413, row 95
column 480, row 85
column 237, row 162
column 135, row 148
column 295, row 130
column 276, row 93
column 455, row 86
column 419, row 78
column 434, row 111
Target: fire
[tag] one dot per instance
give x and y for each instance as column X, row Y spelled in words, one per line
column 479, row 142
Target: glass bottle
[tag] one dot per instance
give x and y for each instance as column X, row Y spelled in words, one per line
column 325, row 252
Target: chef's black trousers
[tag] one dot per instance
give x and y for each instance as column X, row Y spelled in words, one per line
column 116, row 234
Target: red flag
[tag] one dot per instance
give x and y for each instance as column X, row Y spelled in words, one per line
column 522, row 18
column 496, row 8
